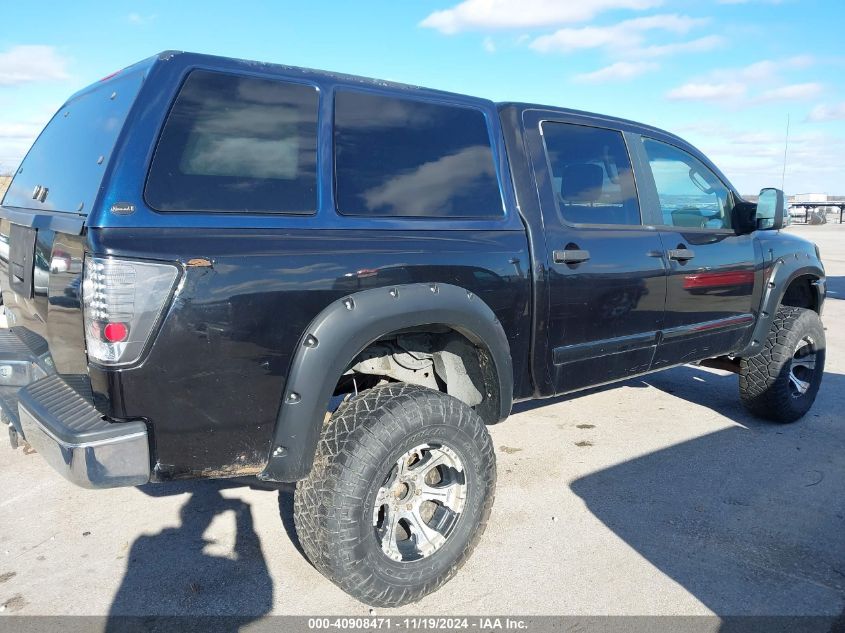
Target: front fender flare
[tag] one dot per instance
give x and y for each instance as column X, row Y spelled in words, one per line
column 347, row 326
column 784, row 271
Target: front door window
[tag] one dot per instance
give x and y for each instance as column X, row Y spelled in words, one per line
column 691, row 196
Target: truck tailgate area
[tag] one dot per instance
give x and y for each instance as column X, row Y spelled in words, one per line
column 41, row 276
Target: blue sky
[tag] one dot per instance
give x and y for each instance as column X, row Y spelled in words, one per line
column 724, row 74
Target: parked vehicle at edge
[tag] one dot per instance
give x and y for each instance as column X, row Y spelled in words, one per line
column 217, row 268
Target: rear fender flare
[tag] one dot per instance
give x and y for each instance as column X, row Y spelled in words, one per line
column 346, row 327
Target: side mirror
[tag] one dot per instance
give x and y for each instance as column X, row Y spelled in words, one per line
column 770, row 209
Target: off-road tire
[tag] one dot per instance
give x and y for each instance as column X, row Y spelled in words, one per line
column 333, row 507
column 764, row 379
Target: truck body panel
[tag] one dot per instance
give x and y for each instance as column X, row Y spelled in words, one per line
column 656, row 280
column 225, row 347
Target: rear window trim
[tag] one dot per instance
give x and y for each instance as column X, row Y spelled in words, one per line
column 498, row 155
column 227, row 212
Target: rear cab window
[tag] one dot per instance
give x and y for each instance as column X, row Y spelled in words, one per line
column 591, row 174
column 237, row 144
column 64, row 168
column 401, row 157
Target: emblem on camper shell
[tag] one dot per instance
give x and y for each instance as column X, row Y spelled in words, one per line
column 123, row 208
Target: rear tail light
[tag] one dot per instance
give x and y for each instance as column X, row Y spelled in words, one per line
column 122, row 303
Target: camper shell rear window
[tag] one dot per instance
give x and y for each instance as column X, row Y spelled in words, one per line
column 64, row 168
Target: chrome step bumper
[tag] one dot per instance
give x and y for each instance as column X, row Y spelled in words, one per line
column 73, row 437
column 56, row 416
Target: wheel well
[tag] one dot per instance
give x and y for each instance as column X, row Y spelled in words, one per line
column 433, row 356
column 801, row 294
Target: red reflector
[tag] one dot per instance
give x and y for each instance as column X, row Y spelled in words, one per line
column 719, row 279
column 115, row 332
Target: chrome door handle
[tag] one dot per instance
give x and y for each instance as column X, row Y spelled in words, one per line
column 571, row 256
column 680, row 254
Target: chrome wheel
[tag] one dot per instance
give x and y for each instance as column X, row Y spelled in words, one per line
column 419, row 502
column 802, row 370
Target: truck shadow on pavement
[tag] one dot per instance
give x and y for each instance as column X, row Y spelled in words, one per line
column 749, row 519
column 171, row 573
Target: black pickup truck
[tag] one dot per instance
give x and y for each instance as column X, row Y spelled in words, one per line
column 220, row 268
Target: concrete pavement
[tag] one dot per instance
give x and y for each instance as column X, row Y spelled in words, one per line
column 659, row 496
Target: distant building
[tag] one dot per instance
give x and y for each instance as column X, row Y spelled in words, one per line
column 4, row 184
column 809, row 197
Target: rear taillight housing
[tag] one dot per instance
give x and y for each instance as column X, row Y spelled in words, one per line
column 122, row 302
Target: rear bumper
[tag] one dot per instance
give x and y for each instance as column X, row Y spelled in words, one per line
column 24, row 358
column 57, row 418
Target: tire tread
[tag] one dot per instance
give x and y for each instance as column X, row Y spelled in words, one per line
column 325, row 523
column 764, row 378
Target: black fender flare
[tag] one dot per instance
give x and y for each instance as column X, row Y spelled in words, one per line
column 347, row 326
column 784, row 271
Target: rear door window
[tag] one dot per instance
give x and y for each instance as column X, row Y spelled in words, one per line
column 410, row 158
column 237, row 144
column 591, row 174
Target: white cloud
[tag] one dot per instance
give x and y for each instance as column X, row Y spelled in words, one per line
column 755, row 83
column 140, row 20
column 707, row 92
column 756, row 138
column 27, row 64
column 824, row 112
column 764, row 70
column 752, row 157
column 628, row 37
column 16, row 137
column 19, row 129
column 792, row 92
column 619, row 71
column 700, row 45
column 489, row 45
column 758, row 71
column 506, row 14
